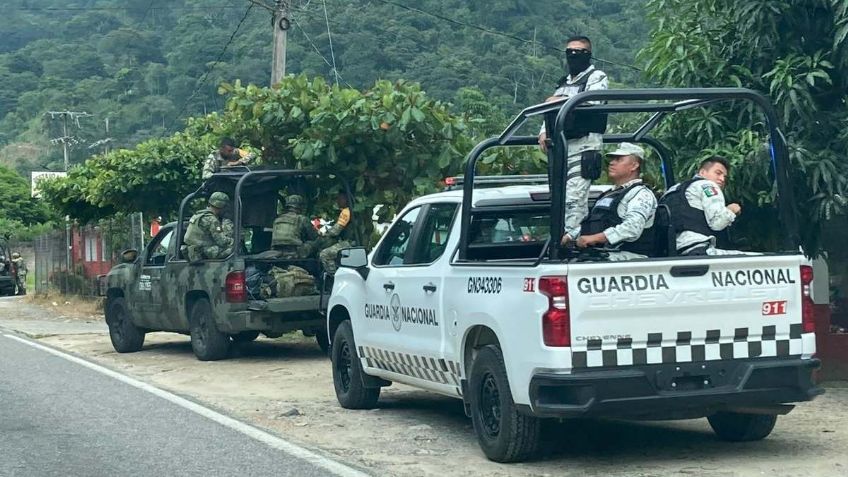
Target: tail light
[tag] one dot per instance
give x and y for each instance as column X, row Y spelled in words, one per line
column 556, row 321
column 808, row 316
column 236, row 290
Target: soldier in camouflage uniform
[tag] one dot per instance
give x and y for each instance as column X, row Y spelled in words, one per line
column 623, row 217
column 227, row 155
column 206, row 236
column 20, row 268
column 293, row 233
column 339, row 233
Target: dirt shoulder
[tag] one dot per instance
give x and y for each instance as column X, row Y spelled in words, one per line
column 285, row 386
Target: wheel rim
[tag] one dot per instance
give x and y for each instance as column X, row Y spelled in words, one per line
column 489, row 406
column 344, row 363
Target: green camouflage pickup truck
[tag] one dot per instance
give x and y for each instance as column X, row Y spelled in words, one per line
column 218, row 302
column 7, row 277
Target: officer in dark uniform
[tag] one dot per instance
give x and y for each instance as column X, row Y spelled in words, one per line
column 623, row 217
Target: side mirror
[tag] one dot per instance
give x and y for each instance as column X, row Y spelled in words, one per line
column 129, row 256
column 355, row 258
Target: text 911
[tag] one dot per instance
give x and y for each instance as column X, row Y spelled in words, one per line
column 774, row 308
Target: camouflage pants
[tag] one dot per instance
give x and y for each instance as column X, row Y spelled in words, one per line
column 328, row 256
column 205, row 252
column 577, row 187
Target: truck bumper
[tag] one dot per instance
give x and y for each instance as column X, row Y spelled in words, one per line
column 678, row 391
column 7, row 285
column 238, row 321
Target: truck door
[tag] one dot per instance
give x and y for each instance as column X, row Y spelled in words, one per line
column 403, row 306
column 150, row 280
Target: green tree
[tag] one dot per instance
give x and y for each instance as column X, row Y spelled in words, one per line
column 18, row 205
column 766, row 45
column 391, row 142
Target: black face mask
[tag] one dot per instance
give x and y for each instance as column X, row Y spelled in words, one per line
column 577, row 63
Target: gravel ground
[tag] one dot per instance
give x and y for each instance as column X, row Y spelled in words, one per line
column 285, row 386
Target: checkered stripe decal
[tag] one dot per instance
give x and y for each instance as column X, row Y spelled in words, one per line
column 422, row 367
column 688, row 348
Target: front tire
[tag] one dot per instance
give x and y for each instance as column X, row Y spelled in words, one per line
column 125, row 336
column 739, row 427
column 505, row 435
column 207, row 342
column 347, row 372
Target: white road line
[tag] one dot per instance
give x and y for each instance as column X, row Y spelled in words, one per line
column 336, row 468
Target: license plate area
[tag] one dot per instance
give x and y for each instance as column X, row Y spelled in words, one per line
column 692, row 377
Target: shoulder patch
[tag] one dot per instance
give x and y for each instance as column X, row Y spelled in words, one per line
column 344, row 217
column 709, row 190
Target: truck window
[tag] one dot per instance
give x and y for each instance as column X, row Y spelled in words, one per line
column 393, row 249
column 434, row 233
column 500, row 235
column 159, row 249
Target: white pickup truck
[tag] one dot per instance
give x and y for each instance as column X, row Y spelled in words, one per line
column 465, row 296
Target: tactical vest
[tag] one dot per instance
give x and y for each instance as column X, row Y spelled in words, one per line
column 605, row 215
column 582, row 122
column 287, row 230
column 194, row 235
column 684, row 217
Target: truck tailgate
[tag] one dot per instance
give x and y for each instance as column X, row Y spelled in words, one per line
column 660, row 312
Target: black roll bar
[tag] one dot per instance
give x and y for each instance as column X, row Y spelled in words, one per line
column 670, row 100
column 237, row 197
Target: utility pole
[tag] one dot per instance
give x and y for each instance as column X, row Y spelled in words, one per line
column 281, row 27
column 66, row 141
column 103, row 142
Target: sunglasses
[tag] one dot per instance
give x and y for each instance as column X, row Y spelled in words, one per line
column 576, row 51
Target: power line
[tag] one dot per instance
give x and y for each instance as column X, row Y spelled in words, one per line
column 493, row 32
column 147, row 12
column 318, row 51
column 127, row 9
column 211, row 67
column 330, row 38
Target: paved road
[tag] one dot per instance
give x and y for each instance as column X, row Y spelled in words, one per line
column 58, row 417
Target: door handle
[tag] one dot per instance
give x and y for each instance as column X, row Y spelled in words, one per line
column 388, row 286
column 689, row 270
column 429, row 288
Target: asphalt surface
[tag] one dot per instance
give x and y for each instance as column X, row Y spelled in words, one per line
column 60, row 418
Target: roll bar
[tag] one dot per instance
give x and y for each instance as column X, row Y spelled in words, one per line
column 242, row 180
column 661, row 102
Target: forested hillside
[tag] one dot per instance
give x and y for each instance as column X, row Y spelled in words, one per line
column 145, row 65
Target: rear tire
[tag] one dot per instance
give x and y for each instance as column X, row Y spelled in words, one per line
column 207, row 342
column 505, row 435
column 739, row 427
column 347, row 372
column 125, row 336
column 245, row 336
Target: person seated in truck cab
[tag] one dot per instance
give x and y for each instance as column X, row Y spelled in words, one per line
column 699, row 213
column 623, row 217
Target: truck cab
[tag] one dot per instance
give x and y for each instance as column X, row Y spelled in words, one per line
column 469, row 294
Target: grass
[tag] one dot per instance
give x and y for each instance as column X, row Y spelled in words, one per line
column 70, row 306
